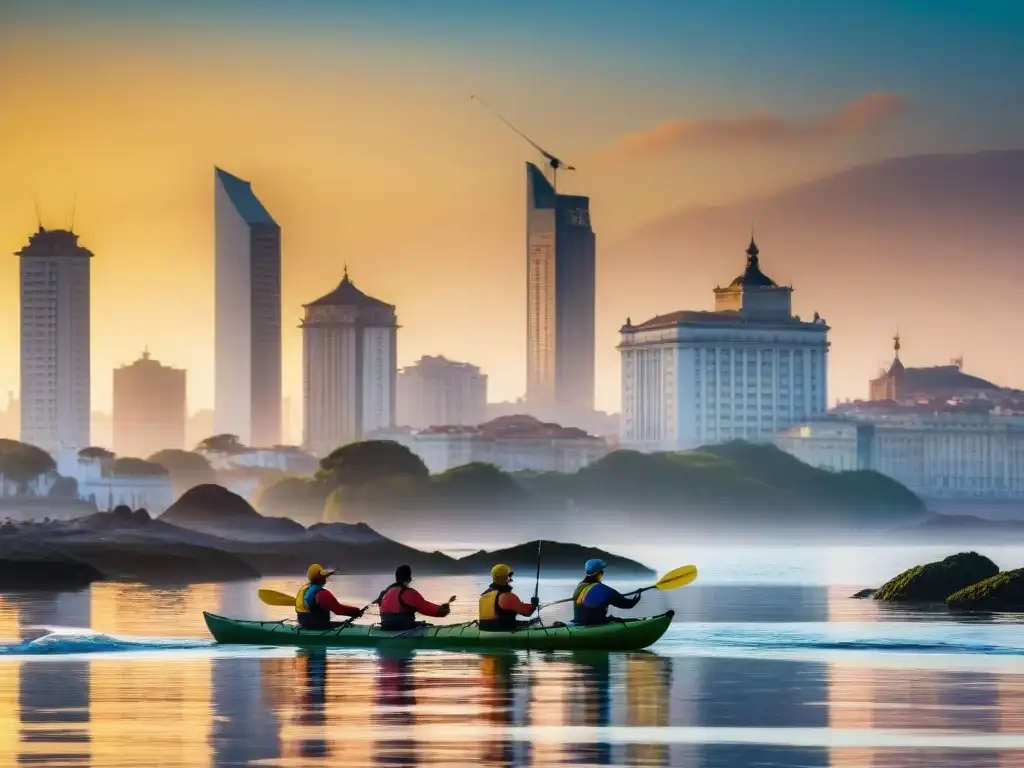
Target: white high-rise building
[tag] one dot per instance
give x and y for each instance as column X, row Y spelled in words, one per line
column 349, row 366
column 247, row 340
column 55, row 355
column 441, row 392
column 744, row 371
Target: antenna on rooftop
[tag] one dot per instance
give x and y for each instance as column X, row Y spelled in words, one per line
column 553, row 162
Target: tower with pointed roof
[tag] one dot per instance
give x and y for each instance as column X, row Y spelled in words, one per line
column 247, row 332
column 743, row 371
column 55, row 340
column 753, row 294
column 891, row 384
column 349, row 367
column 560, row 282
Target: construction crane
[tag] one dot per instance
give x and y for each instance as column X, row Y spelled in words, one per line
column 554, row 162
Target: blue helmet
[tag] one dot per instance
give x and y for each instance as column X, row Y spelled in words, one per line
column 594, row 566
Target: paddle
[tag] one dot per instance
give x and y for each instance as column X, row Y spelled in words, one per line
column 680, row 577
column 423, row 626
column 272, row 597
column 536, row 588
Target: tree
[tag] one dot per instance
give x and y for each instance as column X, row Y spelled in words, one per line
column 369, row 461
column 188, row 468
column 300, row 498
column 477, row 483
column 177, row 461
column 130, row 467
column 21, row 463
column 64, row 488
column 95, row 452
column 223, row 443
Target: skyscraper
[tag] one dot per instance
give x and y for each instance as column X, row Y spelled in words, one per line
column 149, row 407
column 560, row 268
column 349, row 367
column 437, row 391
column 55, row 380
column 247, row 397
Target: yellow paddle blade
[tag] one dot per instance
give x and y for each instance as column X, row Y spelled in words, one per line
column 680, row 577
column 271, row 597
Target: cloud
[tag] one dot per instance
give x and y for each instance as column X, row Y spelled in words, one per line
column 857, row 117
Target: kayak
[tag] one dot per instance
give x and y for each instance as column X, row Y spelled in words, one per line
column 616, row 635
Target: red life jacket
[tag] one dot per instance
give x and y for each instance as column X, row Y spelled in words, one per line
column 395, row 614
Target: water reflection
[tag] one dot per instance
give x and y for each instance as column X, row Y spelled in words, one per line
column 396, row 702
column 295, row 708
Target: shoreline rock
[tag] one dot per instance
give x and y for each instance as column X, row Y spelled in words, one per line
column 556, row 557
column 126, row 545
column 934, row 582
column 1002, row 592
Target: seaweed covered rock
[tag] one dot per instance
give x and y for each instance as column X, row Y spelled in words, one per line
column 934, row 582
column 1002, row 592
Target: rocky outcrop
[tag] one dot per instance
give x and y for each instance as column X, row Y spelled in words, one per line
column 556, row 558
column 347, row 533
column 934, row 582
column 1002, row 592
column 26, row 565
column 213, row 509
column 864, row 593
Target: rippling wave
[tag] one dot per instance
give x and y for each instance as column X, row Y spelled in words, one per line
column 941, row 638
column 69, row 640
column 682, row 638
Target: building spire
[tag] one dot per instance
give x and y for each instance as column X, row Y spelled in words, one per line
column 752, row 251
column 896, row 343
column 344, row 277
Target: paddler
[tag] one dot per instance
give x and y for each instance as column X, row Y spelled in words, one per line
column 400, row 603
column 592, row 597
column 314, row 604
column 499, row 605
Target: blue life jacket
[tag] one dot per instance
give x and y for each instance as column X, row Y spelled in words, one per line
column 314, row 617
column 597, row 611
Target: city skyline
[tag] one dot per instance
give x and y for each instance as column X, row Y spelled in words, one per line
column 433, row 218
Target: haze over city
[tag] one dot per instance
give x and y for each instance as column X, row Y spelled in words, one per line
column 369, row 151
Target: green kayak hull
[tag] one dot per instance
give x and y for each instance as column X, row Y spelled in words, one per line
column 617, row 635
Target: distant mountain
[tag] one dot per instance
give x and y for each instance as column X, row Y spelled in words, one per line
column 932, row 243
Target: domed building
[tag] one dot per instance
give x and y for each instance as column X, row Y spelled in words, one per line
column 743, row 371
column 938, row 382
column 349, row 367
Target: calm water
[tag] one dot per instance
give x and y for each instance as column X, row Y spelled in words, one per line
column 768, row 664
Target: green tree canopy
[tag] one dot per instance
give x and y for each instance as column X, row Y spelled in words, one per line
column 21, row 462
column 300, row 498
column 130, row 467
column 96, row 452
column 64, row 488
column 188, row 468
column 370, row 461
column 477, row 481
column 177, row 461
column 223, row 443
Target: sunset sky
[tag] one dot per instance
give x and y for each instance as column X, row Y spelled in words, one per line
column 354, row 123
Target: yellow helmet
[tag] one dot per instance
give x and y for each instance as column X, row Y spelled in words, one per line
column 316, row 571
column 500, row 573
